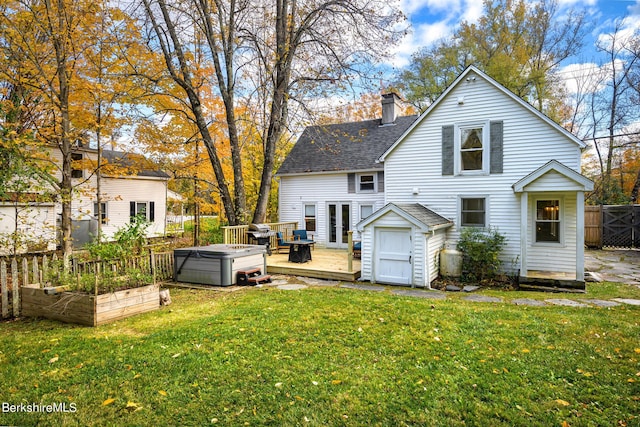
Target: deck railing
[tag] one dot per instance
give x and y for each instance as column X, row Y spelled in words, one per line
column 237, row 234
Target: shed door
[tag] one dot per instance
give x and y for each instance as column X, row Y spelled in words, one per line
column 393, row 255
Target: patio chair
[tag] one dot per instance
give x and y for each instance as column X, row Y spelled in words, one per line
column 357, row 249
column 301, row 235
column 282, row 245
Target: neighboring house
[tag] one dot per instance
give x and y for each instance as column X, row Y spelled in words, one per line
column 479, row 157
column 331, row 179
column 130, row 186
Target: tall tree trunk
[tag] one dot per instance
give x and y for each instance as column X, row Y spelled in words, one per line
column 59, row 36
column 285, row 50
column 183, row 79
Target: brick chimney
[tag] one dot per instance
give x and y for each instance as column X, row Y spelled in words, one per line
column 390, row 108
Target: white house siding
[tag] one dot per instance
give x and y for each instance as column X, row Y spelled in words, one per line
column 562, row 256
column 419, row 248
column 528, row 143
column 319, row 189
column 553, row 181
column 117, row 193
column 35, row 222
column 435, row 243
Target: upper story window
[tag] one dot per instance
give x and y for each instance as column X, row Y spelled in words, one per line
column 366, row 183
column 473, row 149
column 76, row 170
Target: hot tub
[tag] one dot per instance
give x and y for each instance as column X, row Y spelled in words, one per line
column 217, row 265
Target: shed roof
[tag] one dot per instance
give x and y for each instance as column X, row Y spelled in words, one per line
column 415, row 213
column 343, row 147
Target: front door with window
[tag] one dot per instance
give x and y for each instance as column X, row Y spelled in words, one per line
column 339, row 224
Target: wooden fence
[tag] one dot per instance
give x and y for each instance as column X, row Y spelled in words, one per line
column 615, row 226
column 593, row 226
column 32, row 270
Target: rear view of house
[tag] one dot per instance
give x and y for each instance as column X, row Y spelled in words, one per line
column 479, row 156
column 331, row 178
column 482, row 157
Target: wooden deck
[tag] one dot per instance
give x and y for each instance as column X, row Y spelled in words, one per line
column 325, row 263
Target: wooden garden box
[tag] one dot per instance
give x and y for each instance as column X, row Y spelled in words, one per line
column 90, row 310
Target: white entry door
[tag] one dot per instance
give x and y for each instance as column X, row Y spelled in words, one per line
column 393, row 260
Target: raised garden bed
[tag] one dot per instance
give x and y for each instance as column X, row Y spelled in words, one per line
column 90, row 310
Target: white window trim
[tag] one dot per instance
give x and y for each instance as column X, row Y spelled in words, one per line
column 361, row 204
column 105, row 212
column 457, row 146
column 375, row 182
column 534, row 206
column 486, row 209
column 147, row 209
column 304, row 214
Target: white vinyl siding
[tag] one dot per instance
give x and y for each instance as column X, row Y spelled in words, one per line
column 528, row 143
column 297, row 190
column 425, row 249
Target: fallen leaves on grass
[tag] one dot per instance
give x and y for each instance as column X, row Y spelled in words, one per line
column 562, row 402
column 585, row 373
column 54, row 359
column 108, row 401
column 132, row 406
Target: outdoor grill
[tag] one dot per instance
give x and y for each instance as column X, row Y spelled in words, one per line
column 261, row 234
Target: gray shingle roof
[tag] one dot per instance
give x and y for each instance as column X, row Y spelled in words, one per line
column 424, row 214
column 137, row 162
column 343, row 147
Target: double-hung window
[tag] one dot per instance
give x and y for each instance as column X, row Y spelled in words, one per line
column 103, row 212
column 473, row 148
column 145, row 210
column 310, row 217
column 548, row 223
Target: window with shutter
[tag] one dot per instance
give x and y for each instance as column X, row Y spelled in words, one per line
column 472, row 148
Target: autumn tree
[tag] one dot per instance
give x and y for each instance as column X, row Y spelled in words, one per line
column 265, row 53
column 519, row 45
column 606, row 107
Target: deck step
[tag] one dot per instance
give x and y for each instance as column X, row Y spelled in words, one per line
column 264, row 278
column 249, row 272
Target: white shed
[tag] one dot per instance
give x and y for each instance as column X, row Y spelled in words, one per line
column 401, row 245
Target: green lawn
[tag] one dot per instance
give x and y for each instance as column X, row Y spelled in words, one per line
column 332, row 356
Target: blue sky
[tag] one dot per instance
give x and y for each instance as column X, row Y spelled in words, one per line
column 432, row 20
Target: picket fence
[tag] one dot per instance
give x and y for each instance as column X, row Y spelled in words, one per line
column 30, row 270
